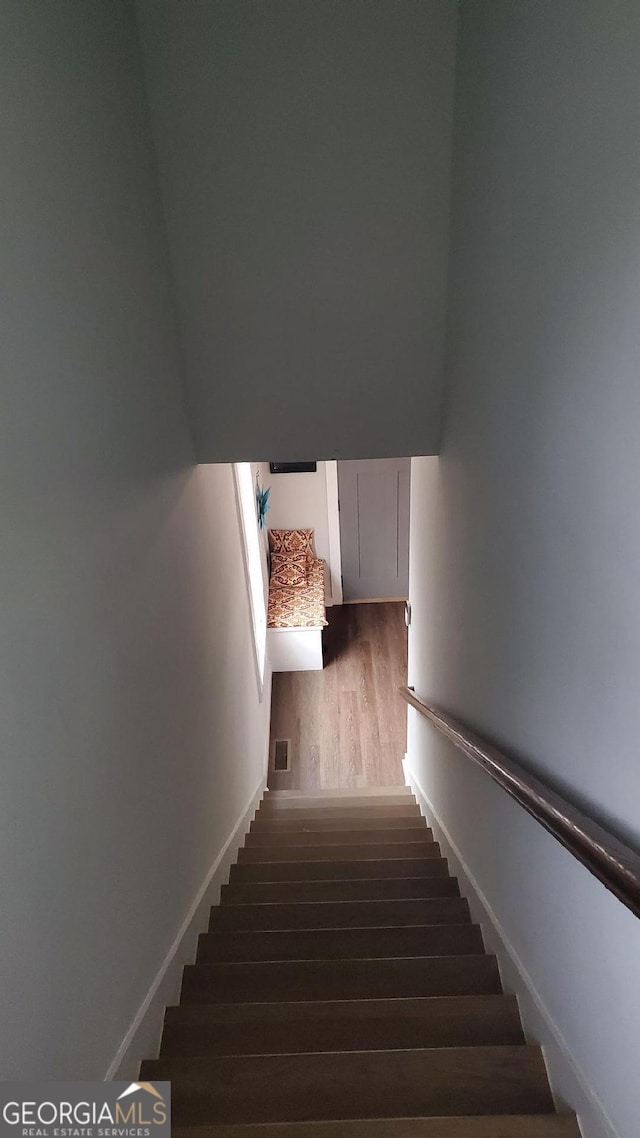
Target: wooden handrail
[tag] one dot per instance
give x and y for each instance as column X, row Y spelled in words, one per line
column 615, row 864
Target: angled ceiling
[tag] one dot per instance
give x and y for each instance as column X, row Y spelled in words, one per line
column 304, row 154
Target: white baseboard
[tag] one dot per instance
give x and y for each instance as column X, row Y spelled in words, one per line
column 570, row 1088
column 142, row 1039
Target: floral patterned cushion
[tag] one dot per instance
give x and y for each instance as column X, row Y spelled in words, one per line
column 291, row 541
column 299, row 608
column 289, row 570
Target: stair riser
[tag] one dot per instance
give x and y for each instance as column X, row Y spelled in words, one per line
column 339, row 870
column 345, row 914
column 290, row 892
column 425, row 848
column 380, row 1084
column 340, row 944
column 341, row 980
column 358, row 837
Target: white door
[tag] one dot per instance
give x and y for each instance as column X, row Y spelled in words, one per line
column 374, row 528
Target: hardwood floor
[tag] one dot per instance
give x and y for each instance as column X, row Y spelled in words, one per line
column 347, row 725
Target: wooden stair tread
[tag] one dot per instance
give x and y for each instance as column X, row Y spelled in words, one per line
column 341, row 914
column 341, row 979
column 360, row 801
column 417, row 1007
column 348, row 1025
column 341, row 837
column 487, row 1126
column 323, row 870
column 369, row 889
column 408, row 809
column 415, row 848
column 329, row 1085
column 340, row 944
column 277, row 825
column 341, row 792
column 342, row 991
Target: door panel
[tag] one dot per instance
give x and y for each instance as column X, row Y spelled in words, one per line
column 374, row 527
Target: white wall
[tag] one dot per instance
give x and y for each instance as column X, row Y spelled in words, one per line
column 304, row 156
column 526, row 541
column 299, row 501
column 130, row 730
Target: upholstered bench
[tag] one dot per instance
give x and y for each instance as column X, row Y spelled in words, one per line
column 296, row 613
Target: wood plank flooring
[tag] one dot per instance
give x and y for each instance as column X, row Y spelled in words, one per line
column 347, row 725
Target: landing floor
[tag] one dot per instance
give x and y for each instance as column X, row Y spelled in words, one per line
column 347, row 724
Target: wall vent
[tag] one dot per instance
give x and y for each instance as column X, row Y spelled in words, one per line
column 281, row 755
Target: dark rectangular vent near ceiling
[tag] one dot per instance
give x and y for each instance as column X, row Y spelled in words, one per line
column 281, row 755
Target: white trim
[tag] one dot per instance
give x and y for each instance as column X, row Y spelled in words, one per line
column 258, row 611
column 333, row 524
column 569, row 1085
column 142, row 1038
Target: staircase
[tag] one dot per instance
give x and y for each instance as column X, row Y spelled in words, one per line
column 343, row 992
